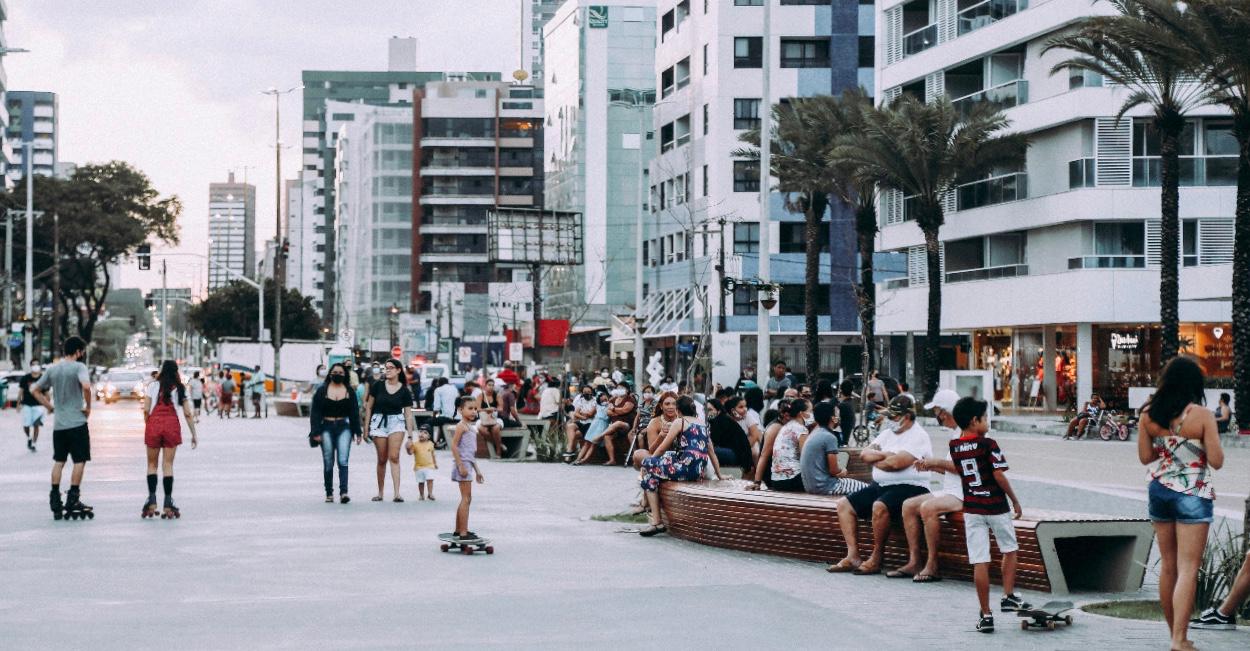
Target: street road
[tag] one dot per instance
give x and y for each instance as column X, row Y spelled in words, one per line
column 259, row 561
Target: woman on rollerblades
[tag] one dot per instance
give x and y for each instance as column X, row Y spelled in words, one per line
column 163, row 433
column 335, row 419
column 388, row 416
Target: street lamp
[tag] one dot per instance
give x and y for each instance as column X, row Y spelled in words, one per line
column 763, row 344
column 277, row 238
column 394, row 318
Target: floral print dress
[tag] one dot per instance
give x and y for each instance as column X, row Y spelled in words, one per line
column 1182, row 464
column 683, row 463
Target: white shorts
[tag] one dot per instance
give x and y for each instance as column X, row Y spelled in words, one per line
column 977, row 533
column 32, row 415
column 380, row 425
column 424, row 474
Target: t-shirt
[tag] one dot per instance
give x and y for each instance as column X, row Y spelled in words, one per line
column 582, row 404
column 977, row 458
column 778, row 386
column 815, row 462
column 197, row 389
column 752, row 419
column 846, row 416
column 25, row 383
column 257, row 383
column 549, row 402
column 627, row 402
column 915, row 441
column 952, row 484
column 153, row 392
column 422, row 454
column 387, row 403
column 445, row 400
column 66, row 378
column 227, row 386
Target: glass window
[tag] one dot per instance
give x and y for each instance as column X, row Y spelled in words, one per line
column 1146, row 139
column 1219, row 140
column 793, row 237
column 749, row 3
column 744, row 302
column 1120, row 238
column 1189, row 243
column 867, row 49
column 705, row 59
column 746, row 238
column 746, row 113
column 705, row 119
column 746, row 176
column 791, row 300
column 804, row 53
column 748, row 52
column 705, row 181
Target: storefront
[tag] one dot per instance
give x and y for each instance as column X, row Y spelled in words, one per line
column 1129, row 356
column 1015, row 357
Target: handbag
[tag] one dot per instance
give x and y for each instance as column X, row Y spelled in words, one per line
column 314, row 440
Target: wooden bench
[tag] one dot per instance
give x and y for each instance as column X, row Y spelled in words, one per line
column 1059, row 552
column 515, row 439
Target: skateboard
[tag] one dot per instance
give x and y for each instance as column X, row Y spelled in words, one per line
column 451, row 544
column 1045, row 616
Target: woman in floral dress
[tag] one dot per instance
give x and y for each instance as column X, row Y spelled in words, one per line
column 679, row 457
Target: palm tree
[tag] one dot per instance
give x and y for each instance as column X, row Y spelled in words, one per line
column 925, row 151
column 1131, row 49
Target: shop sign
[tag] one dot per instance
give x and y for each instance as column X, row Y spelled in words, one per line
column 597, row 16
column 1125, row 341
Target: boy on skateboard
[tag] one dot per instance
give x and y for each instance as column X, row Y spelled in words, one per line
column 70, row 382
column 982, row 467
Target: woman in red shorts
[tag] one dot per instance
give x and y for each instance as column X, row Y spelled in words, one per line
column 163, row 431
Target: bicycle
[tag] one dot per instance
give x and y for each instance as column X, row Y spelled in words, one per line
column 868, row 428
column 1108, row 424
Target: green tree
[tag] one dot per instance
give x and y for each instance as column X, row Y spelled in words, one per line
column 111, row 337
column 925, row 150
column 106, row 211
column 1132, row 49
column 231, row 312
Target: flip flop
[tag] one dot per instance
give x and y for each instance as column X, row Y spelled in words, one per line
column 376, row 498
column 926, row 578
column 860, row 571
column 898, row 574
column 842, row 567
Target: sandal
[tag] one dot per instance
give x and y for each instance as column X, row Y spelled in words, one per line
column 926, row 578
column 653, row 530
column 398, row 499
column 898, row 574
column 376, row 498
column 862, row 571
column 842, row 566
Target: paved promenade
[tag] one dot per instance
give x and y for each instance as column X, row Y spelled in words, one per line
column 259, row 561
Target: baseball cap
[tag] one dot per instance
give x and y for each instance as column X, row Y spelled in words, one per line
column 902, row 406
column 944, row 400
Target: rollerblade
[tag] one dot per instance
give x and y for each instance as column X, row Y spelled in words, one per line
column 170, row 512
column 74, row 507
column 149, row 508
column 54, row 501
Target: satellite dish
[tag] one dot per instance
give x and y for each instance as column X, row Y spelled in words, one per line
column 520, row 75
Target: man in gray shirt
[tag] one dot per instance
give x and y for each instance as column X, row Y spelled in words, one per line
column 819, row 459
column 70, row 381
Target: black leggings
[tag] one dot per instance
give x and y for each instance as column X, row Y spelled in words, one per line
column 791, row 485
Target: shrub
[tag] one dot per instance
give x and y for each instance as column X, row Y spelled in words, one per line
column 1220, row 563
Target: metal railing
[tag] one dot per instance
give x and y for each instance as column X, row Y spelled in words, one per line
column 1082, row 173
column 1002, row 96
column 920, row 40
column 1202, row 171
column 994, row 190
column 988, row 12
column 987, row 273
column 1107, row 262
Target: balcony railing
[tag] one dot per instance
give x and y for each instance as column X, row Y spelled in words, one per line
column 1202, row 171
column 920, row 40
column 898, row 283
column 996, row 189
column 987, row 273
column 1003, row 96
column 988, row 12
column 1107, row 262
column 1082, row 173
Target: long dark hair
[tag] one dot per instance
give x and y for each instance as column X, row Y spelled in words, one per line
column 755, row 399
column 401, row 376
column 1180, row 384
column 169, row 381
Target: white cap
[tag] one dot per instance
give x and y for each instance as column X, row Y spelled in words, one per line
column 944, row 399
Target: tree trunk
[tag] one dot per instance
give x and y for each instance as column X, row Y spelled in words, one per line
column 1169, row 235
column 1241, row 276
column 866, row 231
column 815, row 210
column 933, row 331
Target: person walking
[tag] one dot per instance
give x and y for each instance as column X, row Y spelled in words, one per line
column 32, row 411
column 256, row 387
column 70, row 382
column 162, row 433
column 226, row 404
column 388, row 414
column 197, row 393
column 334, row 419
column 1179, row 443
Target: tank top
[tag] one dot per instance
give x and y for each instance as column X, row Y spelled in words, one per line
column 340, row 408
column 1182, row 463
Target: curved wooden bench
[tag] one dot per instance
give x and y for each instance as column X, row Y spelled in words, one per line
column 1059, row 552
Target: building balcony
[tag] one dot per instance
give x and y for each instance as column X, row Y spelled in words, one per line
column 1107, row 262
column 1000, row 97
column 986, row 13
column 986, row 273
column 994, row 190
column 458, row 141
column 920, row 40
column 1195, row 171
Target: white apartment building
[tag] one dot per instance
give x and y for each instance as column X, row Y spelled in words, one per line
column 1056, row 260
column 231, row 231
column 305, row 262
column 709, row 64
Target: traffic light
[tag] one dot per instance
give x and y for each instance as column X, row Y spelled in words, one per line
column 286, row 248
column 145, row 256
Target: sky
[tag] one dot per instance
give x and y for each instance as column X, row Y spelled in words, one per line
column 174, row 87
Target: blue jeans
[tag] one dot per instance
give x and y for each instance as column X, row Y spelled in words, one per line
column 1167, row 505
column 336, row 440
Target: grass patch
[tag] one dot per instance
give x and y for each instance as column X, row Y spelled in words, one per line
column 1144, row 610
column 629, row 518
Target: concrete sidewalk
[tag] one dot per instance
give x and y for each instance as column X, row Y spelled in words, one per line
column 259, row 561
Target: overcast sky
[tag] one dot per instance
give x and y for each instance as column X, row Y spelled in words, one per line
column 173, row 87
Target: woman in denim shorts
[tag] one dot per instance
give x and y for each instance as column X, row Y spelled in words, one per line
column 1179, row 443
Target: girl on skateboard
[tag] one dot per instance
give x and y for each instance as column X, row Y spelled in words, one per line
column 464, row 470
column 163, row 432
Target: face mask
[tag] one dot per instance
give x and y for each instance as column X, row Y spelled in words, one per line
column 810, row 420
column 618, row 392
column 321, row 372
column 648, row 395
column 603, row 374
column 337, row 378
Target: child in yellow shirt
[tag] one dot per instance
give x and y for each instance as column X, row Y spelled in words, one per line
column 424, row 463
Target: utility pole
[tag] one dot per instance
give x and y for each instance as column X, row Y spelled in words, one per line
column 56, row 282
column 278, row 254
column 722, row 322
column 762, row 339
column 164, row 309
column 30, row 249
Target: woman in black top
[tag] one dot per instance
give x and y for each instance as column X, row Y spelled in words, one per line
column 729, row 441
column 334, row 419
column 388, row 416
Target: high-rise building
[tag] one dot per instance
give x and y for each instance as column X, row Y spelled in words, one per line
column 1059, row 257
column 534, row 16
column 231, row 231
column 705, row 198
column 33, row 119
column 6, row 142
column 306, row 238
column 321, row 128
column 478, row 146
column 599, row 90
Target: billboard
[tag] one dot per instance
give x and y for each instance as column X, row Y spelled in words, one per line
column 529, row 236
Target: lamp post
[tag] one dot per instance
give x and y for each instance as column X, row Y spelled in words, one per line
column 763, row 334
column 280, row 251
column 391, row 321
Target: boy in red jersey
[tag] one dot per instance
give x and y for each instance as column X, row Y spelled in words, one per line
column 982, row 467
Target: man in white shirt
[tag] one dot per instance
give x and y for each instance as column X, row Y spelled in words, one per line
column 445, row 394
column 928, row 508
column 895, row 479
column 549, row 399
